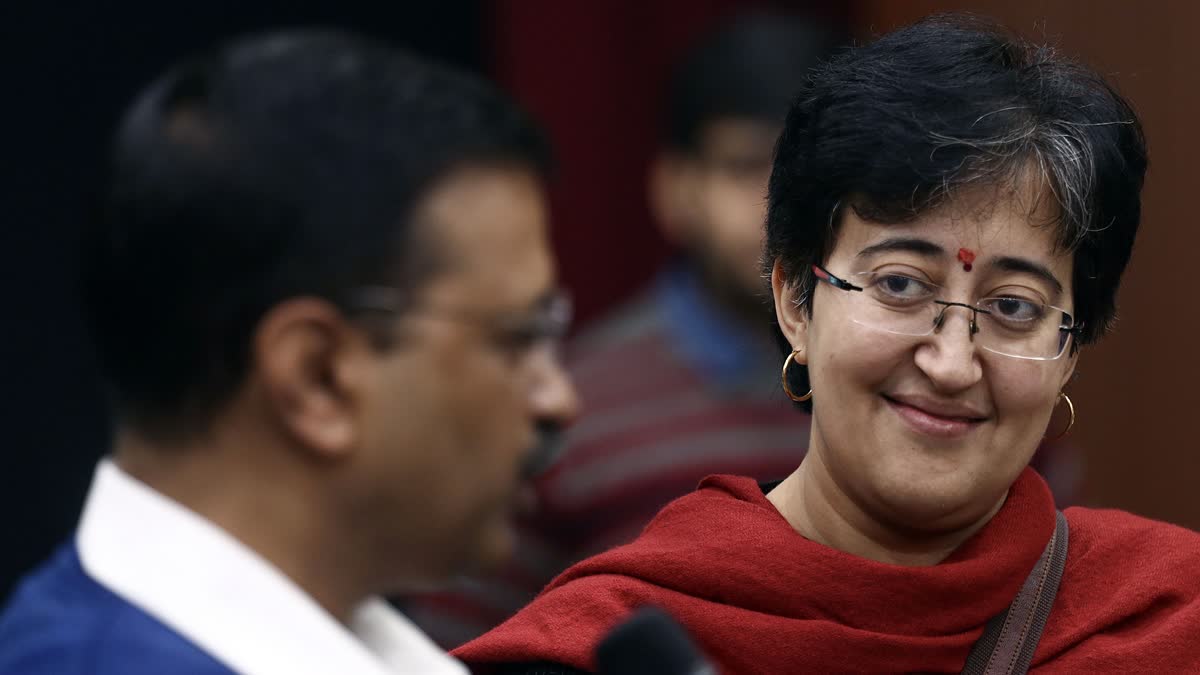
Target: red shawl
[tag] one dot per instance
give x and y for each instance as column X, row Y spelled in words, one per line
column 759, row 598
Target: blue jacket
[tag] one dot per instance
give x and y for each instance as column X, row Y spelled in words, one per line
column 60, row 621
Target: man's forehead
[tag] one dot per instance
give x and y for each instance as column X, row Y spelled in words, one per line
column 489, row 226
column 740, row 133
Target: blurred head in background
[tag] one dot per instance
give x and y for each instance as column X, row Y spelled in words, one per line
column 725, row 107
column 325, row 307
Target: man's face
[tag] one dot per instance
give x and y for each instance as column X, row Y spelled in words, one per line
column 716, row 204
column 455, row 405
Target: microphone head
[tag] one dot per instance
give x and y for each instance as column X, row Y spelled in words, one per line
column 650, row 643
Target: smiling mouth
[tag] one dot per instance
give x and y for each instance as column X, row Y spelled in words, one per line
column 933, row 424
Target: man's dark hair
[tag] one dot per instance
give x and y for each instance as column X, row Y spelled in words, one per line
column 748, row 69
column 894, row 128
column 278, row 166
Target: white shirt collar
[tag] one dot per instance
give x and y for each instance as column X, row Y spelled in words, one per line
column 209, row 587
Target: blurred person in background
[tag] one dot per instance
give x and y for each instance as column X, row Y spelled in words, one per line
column 322, row 296
column 676, row 383
column 950, row 213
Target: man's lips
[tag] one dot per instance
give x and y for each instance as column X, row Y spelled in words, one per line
column 543, row 452
column 526, row 501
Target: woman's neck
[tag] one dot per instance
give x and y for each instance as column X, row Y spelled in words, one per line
column 810, row 500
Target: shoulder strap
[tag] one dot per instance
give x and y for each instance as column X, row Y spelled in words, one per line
column 1009, row 639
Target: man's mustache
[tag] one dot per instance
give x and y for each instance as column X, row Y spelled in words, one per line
column 550, row 444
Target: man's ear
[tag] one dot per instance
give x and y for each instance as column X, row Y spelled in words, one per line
column 310, row 364
column 792, row 318
column 670, row 191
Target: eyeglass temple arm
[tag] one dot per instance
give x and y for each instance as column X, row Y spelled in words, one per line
column 824, row 275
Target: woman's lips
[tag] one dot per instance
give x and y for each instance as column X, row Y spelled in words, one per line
column 931, row 424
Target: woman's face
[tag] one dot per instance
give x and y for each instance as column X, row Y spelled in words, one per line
column 928, row 433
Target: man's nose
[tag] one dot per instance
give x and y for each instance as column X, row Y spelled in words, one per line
column 552, row 394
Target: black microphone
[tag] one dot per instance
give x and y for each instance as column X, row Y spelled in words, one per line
column 650, row 643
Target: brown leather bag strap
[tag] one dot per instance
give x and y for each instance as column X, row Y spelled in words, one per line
column 1009, row 639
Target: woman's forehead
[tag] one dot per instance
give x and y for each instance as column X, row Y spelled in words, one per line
column 984, row 222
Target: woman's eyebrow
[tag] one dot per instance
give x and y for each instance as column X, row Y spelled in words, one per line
column 922, row 247
column 1026, row 266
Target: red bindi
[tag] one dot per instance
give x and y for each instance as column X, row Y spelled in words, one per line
column 967, row 256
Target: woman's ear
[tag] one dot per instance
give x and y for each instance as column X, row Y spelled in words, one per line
column 792, row 317
column 1069, row 372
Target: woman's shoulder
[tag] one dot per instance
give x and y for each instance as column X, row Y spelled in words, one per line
column 1128, row 599
column 1111, row 530
column 1110, row 549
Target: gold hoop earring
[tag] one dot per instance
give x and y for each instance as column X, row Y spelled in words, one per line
column 1062, row 396
column 788, row 390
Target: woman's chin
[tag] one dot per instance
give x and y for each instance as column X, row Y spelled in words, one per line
column 938, row 503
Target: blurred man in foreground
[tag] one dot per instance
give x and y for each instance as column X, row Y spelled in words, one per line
column 324, row 303
column 676, row 383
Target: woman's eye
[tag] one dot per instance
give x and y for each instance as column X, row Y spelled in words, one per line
column 1015, row 309
column 900, row 286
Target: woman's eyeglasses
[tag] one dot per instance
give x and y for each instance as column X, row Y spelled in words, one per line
column 1008, row 325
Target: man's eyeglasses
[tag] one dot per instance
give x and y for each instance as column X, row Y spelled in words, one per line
column 515, row 334
column 1007, row 325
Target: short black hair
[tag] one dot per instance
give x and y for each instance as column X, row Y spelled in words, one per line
column 893, row 128
column 749, row 68
column 276, row 166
